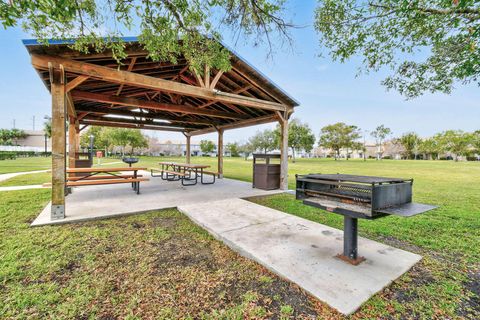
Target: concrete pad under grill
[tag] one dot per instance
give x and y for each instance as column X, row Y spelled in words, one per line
column 303, row 251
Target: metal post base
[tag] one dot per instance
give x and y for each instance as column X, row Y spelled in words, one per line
column 58, row 212
column 350, row 241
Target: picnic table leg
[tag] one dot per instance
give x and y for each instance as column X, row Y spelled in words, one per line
column 189, row 179
column 135, row 184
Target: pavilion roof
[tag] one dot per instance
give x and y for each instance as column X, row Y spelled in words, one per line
column 145, row 94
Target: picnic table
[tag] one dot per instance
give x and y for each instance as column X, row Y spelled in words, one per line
column 187, row 173
column 101, row 176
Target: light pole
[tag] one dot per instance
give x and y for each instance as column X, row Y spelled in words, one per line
column 46, row 134
column 91, row 147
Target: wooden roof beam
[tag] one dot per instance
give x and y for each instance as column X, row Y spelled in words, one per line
column 135, row 79
column 129, row 125
column 236, row 125
column 139, row 122
column 75, row 82
column 131, row 102
column 128, row 113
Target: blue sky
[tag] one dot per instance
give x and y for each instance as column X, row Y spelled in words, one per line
column 328, row 92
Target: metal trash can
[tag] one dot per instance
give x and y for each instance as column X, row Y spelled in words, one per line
column 266, row 175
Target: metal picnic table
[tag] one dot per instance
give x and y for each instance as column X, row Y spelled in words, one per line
column 175, row 171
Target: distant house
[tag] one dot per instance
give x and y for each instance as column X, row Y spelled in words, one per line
column 175, row 148
column 34, row 141
column 389, row 150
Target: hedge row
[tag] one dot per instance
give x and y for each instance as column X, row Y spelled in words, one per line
column 4, row 155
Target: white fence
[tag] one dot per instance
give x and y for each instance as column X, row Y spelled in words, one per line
column 20, row 148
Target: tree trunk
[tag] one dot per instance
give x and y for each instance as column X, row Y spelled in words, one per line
column 293, row 154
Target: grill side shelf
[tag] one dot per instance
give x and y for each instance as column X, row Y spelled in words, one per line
column 407, row 209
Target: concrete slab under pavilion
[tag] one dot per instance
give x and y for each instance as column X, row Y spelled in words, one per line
column 94, row 89
column 100, row 202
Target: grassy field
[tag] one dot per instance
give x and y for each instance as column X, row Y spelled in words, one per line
column 25, row 164
column 136, row 267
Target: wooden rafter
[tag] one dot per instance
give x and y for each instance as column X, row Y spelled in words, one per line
column 139, row 121
column 128, row 113
column 215, row 79
column 238, row 124
column 134, row 79
column 238, row 91
column 75, row 82
column 130, row 67
column 206, row 74
column 199, row 79
column 126, row 125
column 131, row 102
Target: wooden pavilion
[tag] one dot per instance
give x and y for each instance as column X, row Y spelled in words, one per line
column 93, row 89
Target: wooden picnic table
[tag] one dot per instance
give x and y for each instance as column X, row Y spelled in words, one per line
column 103, row 170
column 111, row 176
column 175, row 171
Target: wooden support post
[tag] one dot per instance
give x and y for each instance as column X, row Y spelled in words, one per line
column 220, row 153
column 57, row 78
column 72, row 142
column 77, row 136
column 284, row 153
column 188, row 151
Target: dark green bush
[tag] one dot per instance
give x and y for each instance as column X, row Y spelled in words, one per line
column 7, row 155
column 4, row 155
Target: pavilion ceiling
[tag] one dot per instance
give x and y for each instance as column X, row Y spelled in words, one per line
column 142, row 93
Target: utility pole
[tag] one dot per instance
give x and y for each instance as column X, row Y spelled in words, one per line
column 33, row 122
column 13, row 123
column 364, row 145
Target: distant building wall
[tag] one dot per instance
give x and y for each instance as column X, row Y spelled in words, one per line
column 34, row 141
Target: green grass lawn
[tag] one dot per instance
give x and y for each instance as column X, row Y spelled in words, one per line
column 25, row 164
column 19, row 164
column 114, row 268
column 157, row 265
column 27, row 179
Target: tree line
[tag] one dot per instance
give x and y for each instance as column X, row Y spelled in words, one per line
column 341, row 136
column 108, row 138
column 9, row 137
column 456, row 142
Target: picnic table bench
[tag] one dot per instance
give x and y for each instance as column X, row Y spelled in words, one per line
column 187, row 173
column 102, row 176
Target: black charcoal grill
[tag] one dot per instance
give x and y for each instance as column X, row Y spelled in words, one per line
column 130, row 160
column 355, row 197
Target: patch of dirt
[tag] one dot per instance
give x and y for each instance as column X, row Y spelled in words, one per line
column 165, row 222
column 289, row 294
column 420, row 276
column 137, row 225
column 470, row 306
column 29, row 220
column 179, row 251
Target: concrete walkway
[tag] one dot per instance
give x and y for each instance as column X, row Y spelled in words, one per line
column 7, row 176
column 302, row 251
column 14, row 188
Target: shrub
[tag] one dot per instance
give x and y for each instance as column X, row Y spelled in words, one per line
column 7, row 155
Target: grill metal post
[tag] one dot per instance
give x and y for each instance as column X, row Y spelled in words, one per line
column 350, row 237
column 350, row 241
